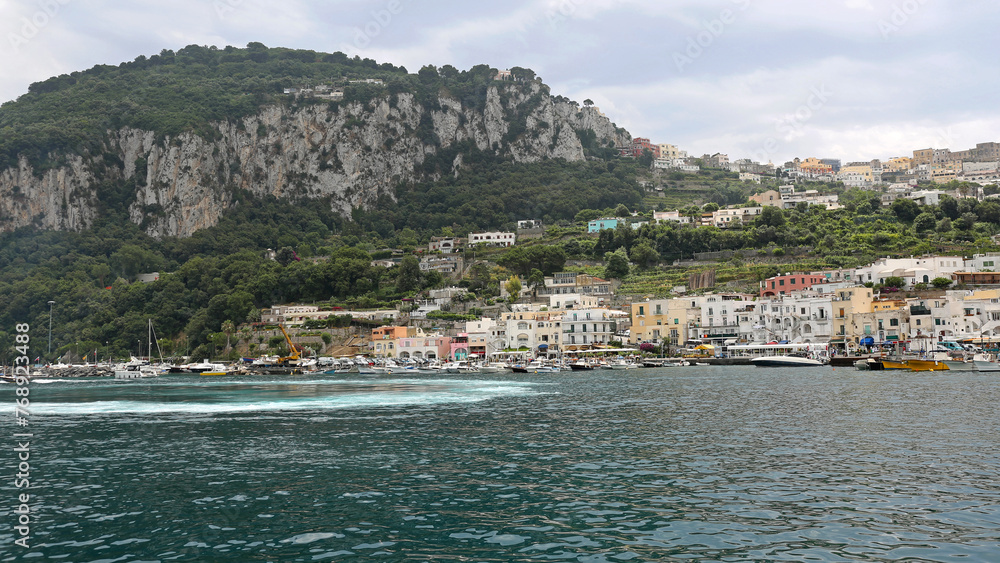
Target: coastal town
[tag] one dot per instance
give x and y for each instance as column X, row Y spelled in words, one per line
column 573, row 313
column 907, row 303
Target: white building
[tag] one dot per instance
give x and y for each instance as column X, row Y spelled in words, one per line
column 719, row 316
column 484, row 337
column 805, row 317
column 558, row 301
column 584, row 328
column 494, row 239
column 912, row 270
column 733, row 216
column 674, row 216
column 989, row 262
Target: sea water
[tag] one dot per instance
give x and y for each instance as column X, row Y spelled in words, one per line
column 686, row 464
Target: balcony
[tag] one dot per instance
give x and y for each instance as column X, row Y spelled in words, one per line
column 919, row 310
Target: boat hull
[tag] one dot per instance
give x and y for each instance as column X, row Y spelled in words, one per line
column 784, row 362
column 926, row 365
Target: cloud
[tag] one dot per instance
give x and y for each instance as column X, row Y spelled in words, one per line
column 894, row 72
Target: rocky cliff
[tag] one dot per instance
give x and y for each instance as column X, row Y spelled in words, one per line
column 350, row 154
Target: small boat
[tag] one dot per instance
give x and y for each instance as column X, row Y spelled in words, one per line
column 926, row 365
column 133, row 370
column 894, row 364
column 784, row 362
column 985, row 363
column 581, row 366
column 494, row 367
column 621, row 364
column 868, row 364
column 537, row 366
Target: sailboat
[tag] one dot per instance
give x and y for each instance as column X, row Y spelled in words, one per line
column 137, row 368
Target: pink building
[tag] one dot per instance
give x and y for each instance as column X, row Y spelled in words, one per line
column 424, row 348
column 789, row 283
column 460, row 347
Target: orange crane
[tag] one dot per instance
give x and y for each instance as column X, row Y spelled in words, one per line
column 293, row 353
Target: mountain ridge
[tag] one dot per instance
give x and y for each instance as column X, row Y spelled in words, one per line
column 349, row 154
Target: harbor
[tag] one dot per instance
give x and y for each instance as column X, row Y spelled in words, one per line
column 704, row 462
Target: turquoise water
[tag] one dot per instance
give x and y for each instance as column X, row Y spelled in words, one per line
column 686, row 464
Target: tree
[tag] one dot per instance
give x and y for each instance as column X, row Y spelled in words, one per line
column 949, row 206
column 285, row 256
column 895, row 282
column 989, row 212
column 944, row 225
column 101, row 271
column 228, row 328
column 966, row 221
column 770, row 216
column 924, row 222
column 644, row 255
column 941, row 283
column 710, row 207
column 409, row 276
column 536, row 278
column 513, row 288
column 622, row 211
column 905, row 209
column 588, row 102
column 616, row 264
column 646, row 159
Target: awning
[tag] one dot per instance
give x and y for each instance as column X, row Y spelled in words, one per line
column 867, row 341
column 543, row 346
column 892, row 337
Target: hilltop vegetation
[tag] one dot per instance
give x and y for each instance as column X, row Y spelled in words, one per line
column 187, row 90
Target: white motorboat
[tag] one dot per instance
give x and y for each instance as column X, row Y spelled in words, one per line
column 208, row 368
column 622, row 363
column 538, row 366
column 135, row 369
column 494, row 367
column 784, row 362
column 985, row 363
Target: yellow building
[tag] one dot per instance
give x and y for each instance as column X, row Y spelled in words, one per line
column 898, row 164
column 770, row 197
column 815, row 166
column 662, row 320
column 923, row 156
column 848, row 306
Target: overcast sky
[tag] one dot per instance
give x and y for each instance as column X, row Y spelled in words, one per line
column 767, row 79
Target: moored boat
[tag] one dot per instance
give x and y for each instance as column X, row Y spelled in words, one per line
column 926, row 365
column 784, row 361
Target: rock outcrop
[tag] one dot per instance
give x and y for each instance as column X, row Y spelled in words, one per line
column 350, row 154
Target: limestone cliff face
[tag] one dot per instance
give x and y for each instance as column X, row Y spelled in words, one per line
column 351, row 154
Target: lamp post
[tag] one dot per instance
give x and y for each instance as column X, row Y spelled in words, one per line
column 51, row 303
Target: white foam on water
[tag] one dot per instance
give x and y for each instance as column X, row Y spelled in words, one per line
column 451, row 392
column 313, row 537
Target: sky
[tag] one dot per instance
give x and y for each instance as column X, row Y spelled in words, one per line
column 763, row 79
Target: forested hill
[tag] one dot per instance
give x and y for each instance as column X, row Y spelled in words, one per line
column 177, row 139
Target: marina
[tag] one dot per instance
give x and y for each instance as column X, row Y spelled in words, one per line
column 703, row 463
